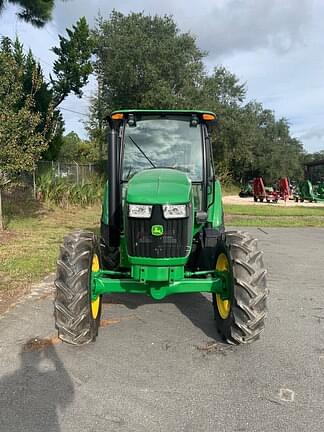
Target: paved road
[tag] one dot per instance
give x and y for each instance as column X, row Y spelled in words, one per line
column 154, row 366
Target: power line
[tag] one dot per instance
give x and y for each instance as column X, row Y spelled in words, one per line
column 51, row 34
column 72, row 111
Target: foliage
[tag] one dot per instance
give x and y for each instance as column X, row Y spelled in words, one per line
column 145, row 62
column 73, row 66
column 71, row 71
column 21, row 140
column 36, row 12
column 77, row 150
column 63, row 193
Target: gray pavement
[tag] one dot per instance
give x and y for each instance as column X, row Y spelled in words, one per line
column 159, row 366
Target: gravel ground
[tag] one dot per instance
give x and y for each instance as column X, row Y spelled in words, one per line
column 235, row 199
column 159, row 366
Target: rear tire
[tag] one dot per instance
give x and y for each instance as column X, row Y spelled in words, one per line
column 72, row 305
column 245, row 321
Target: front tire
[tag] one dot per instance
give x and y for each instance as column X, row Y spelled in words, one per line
column 77, row 318
column 244, row 321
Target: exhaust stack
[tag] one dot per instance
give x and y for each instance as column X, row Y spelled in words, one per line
column 114, row 203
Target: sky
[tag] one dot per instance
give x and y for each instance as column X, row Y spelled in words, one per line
column 275, row 47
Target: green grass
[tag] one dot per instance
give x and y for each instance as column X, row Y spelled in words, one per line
column 230, row 189
column 273, row 216
column 30, row 246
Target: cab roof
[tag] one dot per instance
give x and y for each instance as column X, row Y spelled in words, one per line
column 161, row 111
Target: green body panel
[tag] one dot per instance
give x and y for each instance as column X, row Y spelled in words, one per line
column 159, row 186
column 161, row 262
column 215, row 211
column 102, row 282
column 157, row 274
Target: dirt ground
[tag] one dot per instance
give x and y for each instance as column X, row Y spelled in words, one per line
column 235, row 199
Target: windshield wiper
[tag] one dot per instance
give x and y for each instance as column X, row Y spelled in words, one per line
column 139, row 148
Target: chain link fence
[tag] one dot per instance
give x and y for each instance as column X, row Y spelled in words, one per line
column 71, row 171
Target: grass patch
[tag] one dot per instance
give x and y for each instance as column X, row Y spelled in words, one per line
column 273, row 216
column 230, row 189
column 31, row 250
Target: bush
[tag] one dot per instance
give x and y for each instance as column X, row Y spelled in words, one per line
column 61, row 192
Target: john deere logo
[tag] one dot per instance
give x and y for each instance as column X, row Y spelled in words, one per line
column 157, row 230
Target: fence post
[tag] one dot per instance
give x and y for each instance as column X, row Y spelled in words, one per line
column 77, row 172
column 34, row 181
column 1, row 216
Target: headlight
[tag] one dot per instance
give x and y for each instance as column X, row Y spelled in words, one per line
column 171, row 211
column 139, row 211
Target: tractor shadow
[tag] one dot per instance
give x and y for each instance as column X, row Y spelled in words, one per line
column 195, row 307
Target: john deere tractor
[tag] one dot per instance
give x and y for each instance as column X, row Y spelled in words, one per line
column 162, row 231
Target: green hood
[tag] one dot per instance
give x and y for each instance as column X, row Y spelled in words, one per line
column 159, row 186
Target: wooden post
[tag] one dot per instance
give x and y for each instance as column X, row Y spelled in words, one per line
column 1, row 215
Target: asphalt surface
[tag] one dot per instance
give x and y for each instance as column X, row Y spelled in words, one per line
column 159, row 366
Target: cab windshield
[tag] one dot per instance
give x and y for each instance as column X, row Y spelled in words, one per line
column 163, row 143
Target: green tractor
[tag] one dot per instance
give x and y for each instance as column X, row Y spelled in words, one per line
column 162, row 231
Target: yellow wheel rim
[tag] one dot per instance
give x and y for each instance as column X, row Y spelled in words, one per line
column 223, row 306
column 95, row 267
column 95, row 304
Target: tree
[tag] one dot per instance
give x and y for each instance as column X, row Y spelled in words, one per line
column 74, row 149
column 21, row 144
column 36, row 12
column 71, row 71
column 146, row 61
column 51, row 121
column 73, row 66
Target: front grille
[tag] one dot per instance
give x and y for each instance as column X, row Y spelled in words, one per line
column 175, row 242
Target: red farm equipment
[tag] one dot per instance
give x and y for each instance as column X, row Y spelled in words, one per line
column 284, row 189
column 262, row 192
